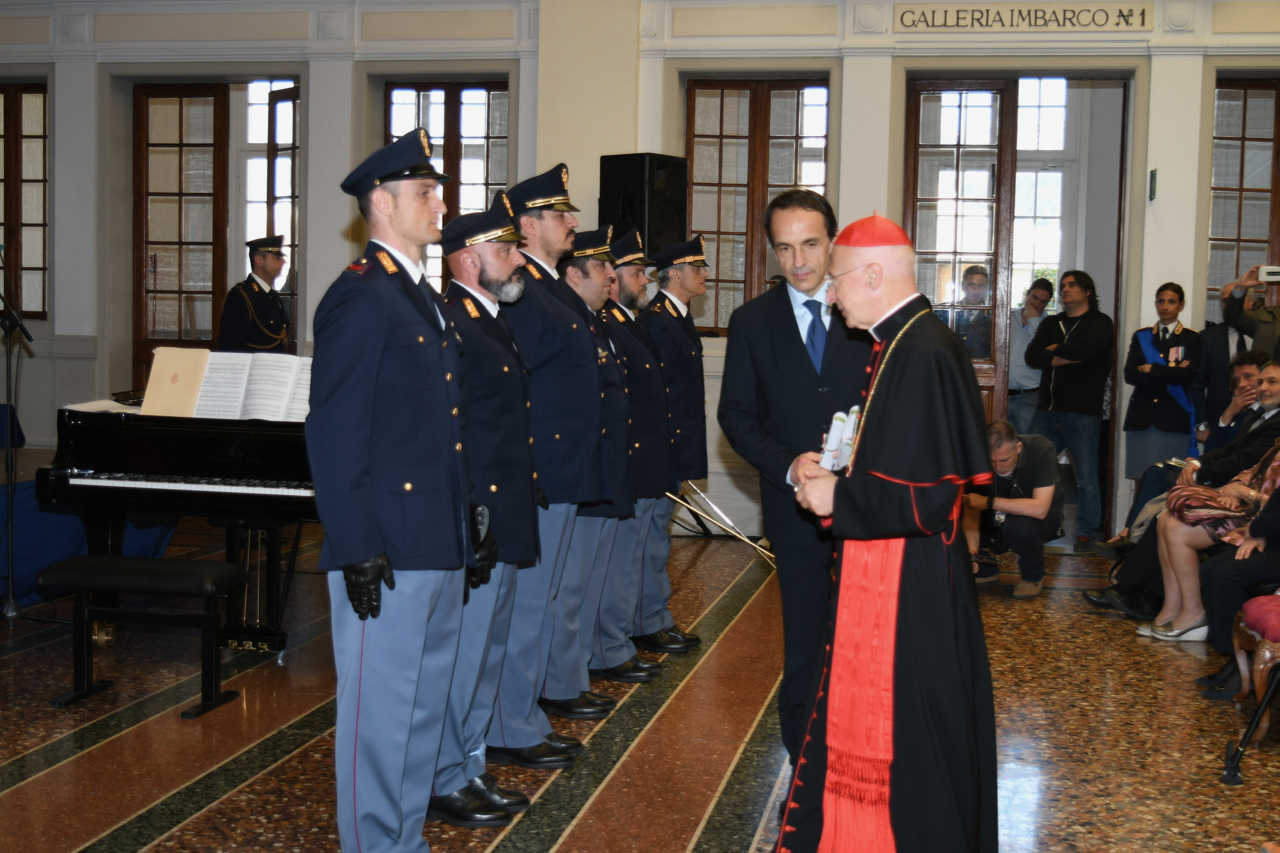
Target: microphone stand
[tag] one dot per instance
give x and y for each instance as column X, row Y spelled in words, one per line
column 10, row 322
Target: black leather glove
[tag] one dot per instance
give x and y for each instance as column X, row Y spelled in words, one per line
column 364, row 584
column 485, row 545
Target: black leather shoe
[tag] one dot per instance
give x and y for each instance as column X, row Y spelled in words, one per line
column 1130, row 604
column 598, row 699
column 487, row 788
column 542, row 756
column 689, row 639
column 567, row 745
column 573, row 709
column 465, row 807
column 647, row 665
column 626, row 672
column 1224, row 691
column 1218, row 678
column 661, row 641
column 1096, row 598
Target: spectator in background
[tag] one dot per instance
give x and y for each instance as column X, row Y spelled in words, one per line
column 1162, row 362
column 1246, row 369
column 1211, row 387
column 1258, row 323
column 1024, row 381
column 1072, row 349
column 977, row 290
column 973, row 325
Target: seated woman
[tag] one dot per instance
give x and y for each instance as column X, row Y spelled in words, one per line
column 1198, row 517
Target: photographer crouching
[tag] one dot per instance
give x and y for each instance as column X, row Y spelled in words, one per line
column 1019, row 511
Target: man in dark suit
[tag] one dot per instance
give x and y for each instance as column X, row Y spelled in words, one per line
column 788, row 369
column 682, row 277
column 485, row 263
column 254, row 317
column 1245, row 371
column 384, row 439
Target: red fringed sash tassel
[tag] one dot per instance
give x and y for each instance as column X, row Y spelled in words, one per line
column 855, row 802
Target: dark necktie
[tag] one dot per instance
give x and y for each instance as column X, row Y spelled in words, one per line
column 502, row 321
column 433, row 299
column 1164, row 334
column 1240, row 344
column 816, row 340
column 1251, row 420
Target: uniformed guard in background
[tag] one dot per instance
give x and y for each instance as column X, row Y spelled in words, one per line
column 384, row 438
column 254, row 317
column 565, row 419
column 485, row 263
column 588, row 271
column 612, row 654
column 682, row 275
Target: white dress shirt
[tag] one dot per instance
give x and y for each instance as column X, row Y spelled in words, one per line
column 546, row 269
column 480, row 293
column 680, row 306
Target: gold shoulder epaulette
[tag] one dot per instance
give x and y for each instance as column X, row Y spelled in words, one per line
column 618, row 315
column 387, row 264
column 471, row 308
column 672, row 310
column 533, row 271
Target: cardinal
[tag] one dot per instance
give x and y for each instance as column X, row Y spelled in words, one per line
column 900, row 753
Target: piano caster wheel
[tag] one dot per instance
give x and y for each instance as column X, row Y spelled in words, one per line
column 263, row 647
column 104, row 635
column 231, row 644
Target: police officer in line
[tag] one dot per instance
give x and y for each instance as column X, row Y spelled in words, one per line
column 565, row 420
column 612, row 654
column 385, row 443
column 587, row 270
column 485, row 263
column 254, row 317
column 682, row 275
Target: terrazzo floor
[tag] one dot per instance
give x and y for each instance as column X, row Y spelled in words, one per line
column 1104, row 743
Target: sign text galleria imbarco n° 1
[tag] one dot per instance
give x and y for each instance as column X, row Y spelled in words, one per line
column 1022, row 18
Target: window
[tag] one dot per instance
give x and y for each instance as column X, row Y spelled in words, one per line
column 1037, row 229
column 24, row 197
column 468, row 126
column 747, row 141
column 1242, row 214
column 1042, row 114
column 180, row 217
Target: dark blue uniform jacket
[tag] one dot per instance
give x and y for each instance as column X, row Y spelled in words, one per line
column 495, row 426
column 564, row 386
column 384, row 436
column 253, row 319
column 681, row 362
column 615, row 471
column 1151, row 404
column 652, row 471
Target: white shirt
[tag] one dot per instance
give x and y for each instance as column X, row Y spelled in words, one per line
column 803, row 316
column 546, row 269
column 628, row 310
column 415, row 270
column 482, row 295
column 258, row 279
column 1234, row 336
column 680, row 306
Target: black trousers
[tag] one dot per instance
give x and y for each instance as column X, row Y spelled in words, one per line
column 1026, row 537
column 805, row 584
column 1140, row 571
column 1224, row 585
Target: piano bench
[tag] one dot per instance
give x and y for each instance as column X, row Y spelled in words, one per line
column 192, row 578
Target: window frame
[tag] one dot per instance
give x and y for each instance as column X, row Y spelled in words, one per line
column 289, row 290
column 11, row 198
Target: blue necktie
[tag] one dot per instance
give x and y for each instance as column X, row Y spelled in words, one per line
column 817, row 337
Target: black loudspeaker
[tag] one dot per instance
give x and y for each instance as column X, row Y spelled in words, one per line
column 645, row 191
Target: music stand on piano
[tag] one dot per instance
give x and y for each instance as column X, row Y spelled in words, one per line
column 10, row 322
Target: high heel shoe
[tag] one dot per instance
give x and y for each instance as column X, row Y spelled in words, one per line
column 1190, row 634
column 1144, row 630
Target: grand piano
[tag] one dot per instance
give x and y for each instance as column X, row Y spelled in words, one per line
column 241, row 475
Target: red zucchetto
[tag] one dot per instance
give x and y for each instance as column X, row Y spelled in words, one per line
column 871, row 231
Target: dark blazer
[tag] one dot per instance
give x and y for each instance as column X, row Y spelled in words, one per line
column 495, row 426
column 1151, row 404
column 1221, row 436
column 564, row 385
column 615, row 415
column 680, row 358
column 649, row 446
column 1211, row 387
column 775, row 406
column 384, row 436
column 1217, row 468
column 254, row 319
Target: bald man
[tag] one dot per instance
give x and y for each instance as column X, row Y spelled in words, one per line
column 901, row 753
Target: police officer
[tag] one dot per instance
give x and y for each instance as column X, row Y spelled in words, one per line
column 254, row 317
column 384, row 438
column 612, row 654
column 485, row 263
column 682, row 275
column 565, row 420
column 587, row 270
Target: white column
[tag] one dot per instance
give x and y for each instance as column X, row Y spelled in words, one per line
column 327, row 211
column 649, row 103
column 864, row 136
column 527, row 144
column 1173, row 149
column 73, row 164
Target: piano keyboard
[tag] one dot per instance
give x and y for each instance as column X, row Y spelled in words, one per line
column 195, row 484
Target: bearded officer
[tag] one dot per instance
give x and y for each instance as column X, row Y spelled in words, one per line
column 384, row 439
column 565, row 420
column 485, row 263
column 682, row 276
column 254, row 317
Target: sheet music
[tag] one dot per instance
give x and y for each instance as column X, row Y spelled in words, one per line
column 271, row 380
column 174, row 382
column 300, row 399
column 222, row 393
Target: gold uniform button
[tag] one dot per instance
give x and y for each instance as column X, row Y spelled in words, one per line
column 458, row 447
column 603, row 431
column 455, row 411
column 408, row 487
column 575, row 325
column 506, row 369
column 421, row 339
column 601, row 395
column 677, row 432
column 646, row 367
column 535, row 475
column 557, row 436
column 637, row 444
column 528, row 403
column 444, row 344
column 448, row 377
column 531, row 439
column 493, row 488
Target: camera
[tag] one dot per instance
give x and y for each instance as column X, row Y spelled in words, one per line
column 1269, row 275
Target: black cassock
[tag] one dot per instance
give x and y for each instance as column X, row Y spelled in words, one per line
column 900, row 754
